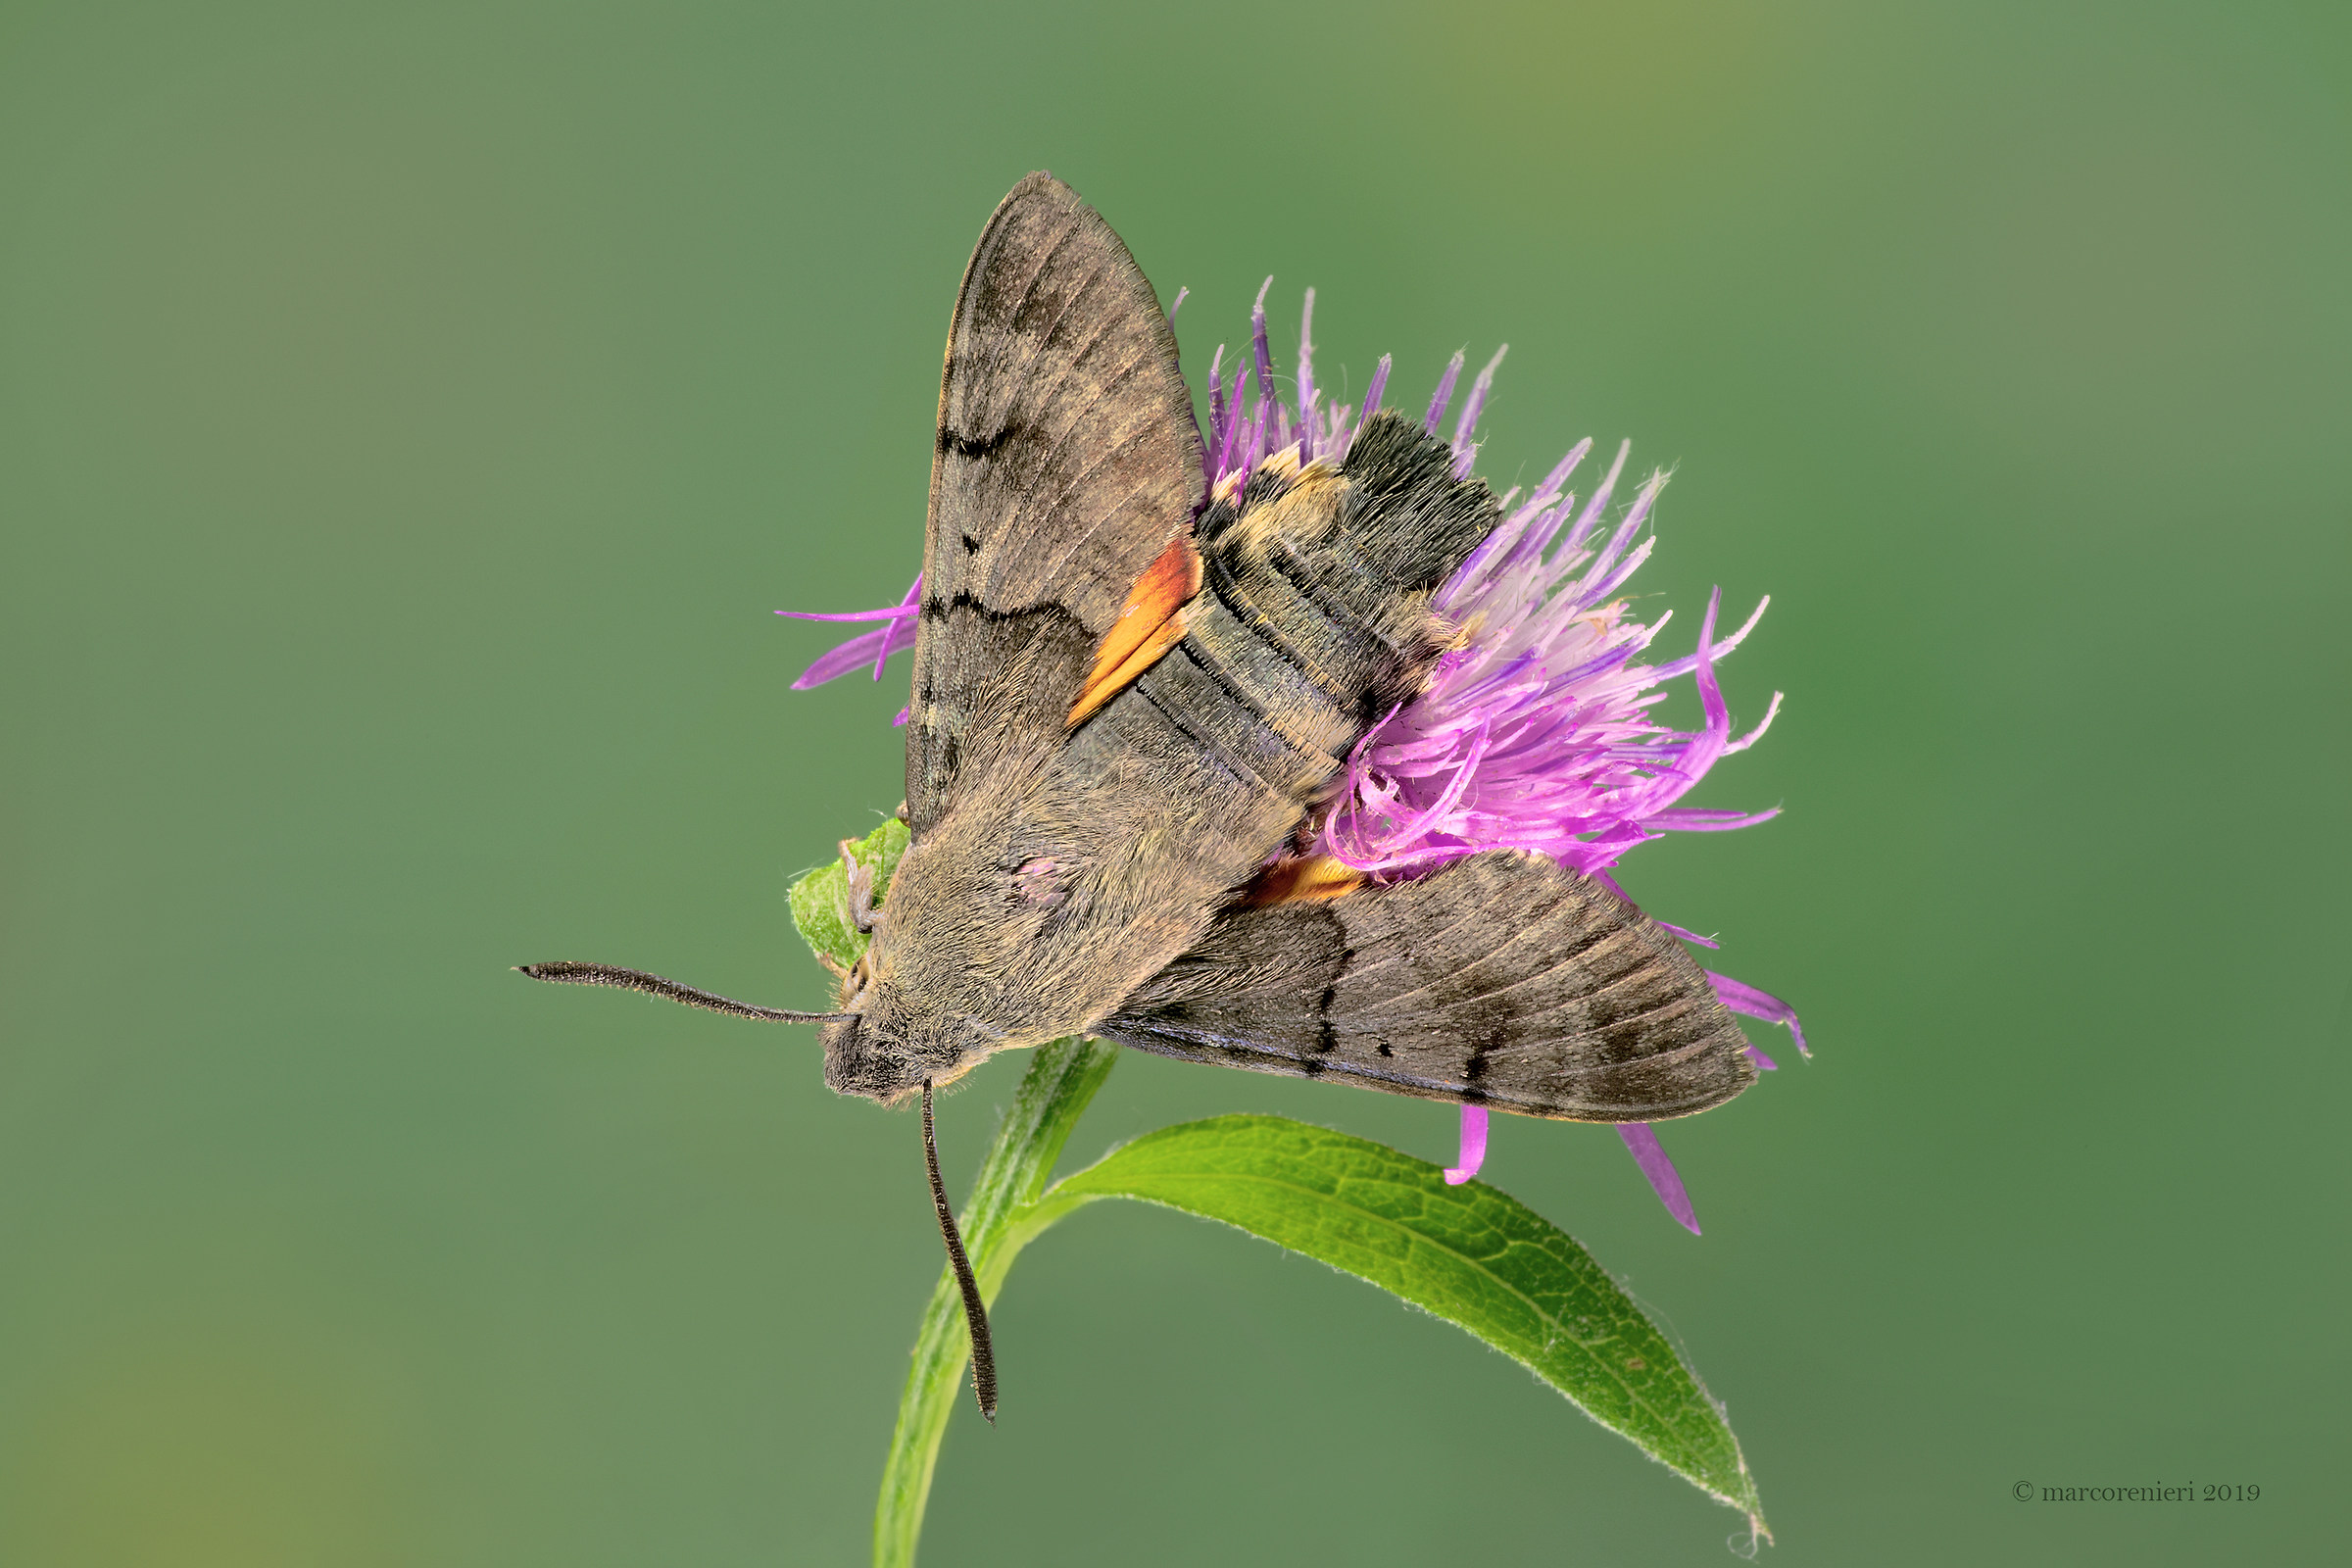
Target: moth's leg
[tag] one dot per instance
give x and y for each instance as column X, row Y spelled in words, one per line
column 861, row 889
column 900, row 813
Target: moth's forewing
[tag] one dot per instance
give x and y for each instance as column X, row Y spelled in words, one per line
column 1067, row 457
column 1067, row 460
column 1501, row 980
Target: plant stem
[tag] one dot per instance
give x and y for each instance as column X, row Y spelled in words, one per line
column 1061, row 1080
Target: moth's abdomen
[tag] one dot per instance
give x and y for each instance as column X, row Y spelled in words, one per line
column 1312, row 622
column 1311, row 625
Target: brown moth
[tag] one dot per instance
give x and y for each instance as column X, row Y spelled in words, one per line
column 1130, row 697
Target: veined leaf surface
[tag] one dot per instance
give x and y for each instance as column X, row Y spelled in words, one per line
column 1472, row 1254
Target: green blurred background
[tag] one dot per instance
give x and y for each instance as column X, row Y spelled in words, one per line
column 409, row 416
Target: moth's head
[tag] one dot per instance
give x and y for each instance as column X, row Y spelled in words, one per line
column 960, row 966
column 888, row 1048
column 873, row 1063
column 861, row 1059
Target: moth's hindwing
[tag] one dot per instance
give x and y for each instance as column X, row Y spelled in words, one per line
column 1501, row 980
column 1067, row 460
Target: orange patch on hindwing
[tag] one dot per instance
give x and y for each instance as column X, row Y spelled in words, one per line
column 1150, row 623
column 1305, row 880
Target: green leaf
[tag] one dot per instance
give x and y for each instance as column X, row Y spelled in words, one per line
column 1471, row 1254
column 821, row 900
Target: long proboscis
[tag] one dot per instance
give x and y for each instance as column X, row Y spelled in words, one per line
column 652, row 985
column 976, row 1311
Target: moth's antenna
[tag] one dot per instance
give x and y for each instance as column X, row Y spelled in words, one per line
column 652, row 985
column 975, row 1315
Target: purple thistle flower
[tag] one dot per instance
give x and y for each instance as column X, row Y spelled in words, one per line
column 1537, row 732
